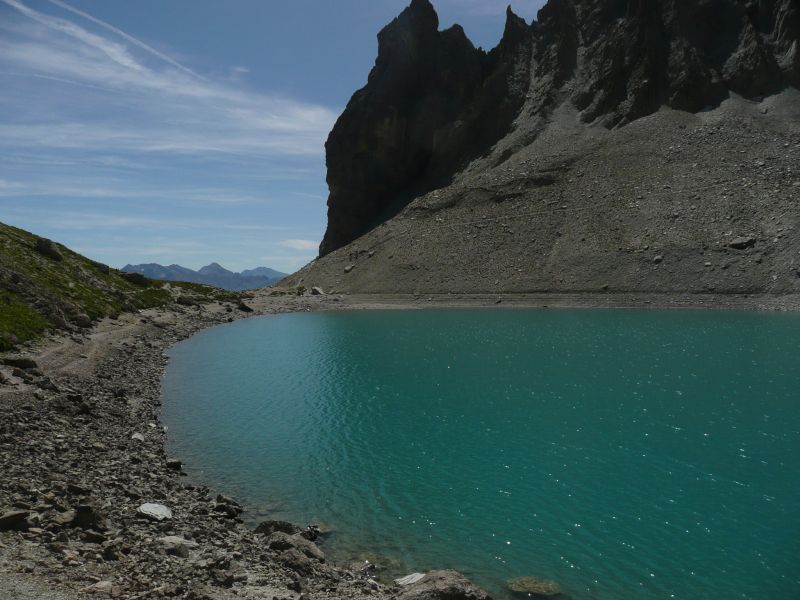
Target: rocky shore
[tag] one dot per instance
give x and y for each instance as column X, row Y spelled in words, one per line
column 91, row 504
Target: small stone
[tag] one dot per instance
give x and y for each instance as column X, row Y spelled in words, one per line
column 317, row 291
column 363, row 568
column 138, row 437
column 742, row 242
column 94, row 537
column 658, row 259
column 174, row 463
column 176, row 545
column 349, row 268
column 156, row 512
column 64, row 518
column 101, row 587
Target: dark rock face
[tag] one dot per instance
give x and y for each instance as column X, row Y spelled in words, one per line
column 433, row 102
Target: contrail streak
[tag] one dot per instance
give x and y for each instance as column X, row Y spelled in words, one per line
column 126, row 36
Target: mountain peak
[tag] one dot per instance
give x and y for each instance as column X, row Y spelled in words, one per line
column 212, row 274
column 433, row 103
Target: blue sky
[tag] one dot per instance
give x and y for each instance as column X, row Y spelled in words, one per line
column 186, row 131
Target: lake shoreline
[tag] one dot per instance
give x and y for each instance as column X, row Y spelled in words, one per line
column 72, row 448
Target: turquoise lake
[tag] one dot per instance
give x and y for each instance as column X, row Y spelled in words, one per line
column 624, row 454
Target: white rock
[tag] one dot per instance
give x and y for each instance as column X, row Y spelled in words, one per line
column 138, row 437
column 409, row 579
column 159, row 512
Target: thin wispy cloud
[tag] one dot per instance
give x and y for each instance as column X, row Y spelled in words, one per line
column 106, row 137
column 127, row 37
column 173, row 108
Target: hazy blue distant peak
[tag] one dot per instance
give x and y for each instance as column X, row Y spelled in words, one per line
column 215, row 269
column 213, row 274
column 262, row 272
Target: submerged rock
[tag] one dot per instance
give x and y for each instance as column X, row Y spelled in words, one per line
column 534, row 586
column 270, row 527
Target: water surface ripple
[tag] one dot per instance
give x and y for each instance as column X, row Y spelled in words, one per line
column 626, row 454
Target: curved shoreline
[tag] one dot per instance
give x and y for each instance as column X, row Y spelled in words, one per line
column 71, row 445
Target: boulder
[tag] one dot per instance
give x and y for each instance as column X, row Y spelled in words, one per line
column 317, row 291
column 14, row 520
column 442, row 585
column 155, row 512
column 89, row 517
column 21, row 363
column 270, row 527
column 82, row 320
column 534, row 586
column 243, row 307
column 283, row 541
column 296, row 561
column 175, row 464
column 49, row 249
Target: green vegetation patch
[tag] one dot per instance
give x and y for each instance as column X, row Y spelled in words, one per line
column 18, row 321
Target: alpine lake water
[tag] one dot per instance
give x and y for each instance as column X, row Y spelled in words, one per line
column 626, row 454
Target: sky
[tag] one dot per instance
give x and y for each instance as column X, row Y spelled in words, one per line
column 187, row 131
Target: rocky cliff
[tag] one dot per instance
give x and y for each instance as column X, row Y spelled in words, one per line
column 604, row 130
column 432, row 102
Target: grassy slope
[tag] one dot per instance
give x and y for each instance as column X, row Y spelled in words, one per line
column 38, row 293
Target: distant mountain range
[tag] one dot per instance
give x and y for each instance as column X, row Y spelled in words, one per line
column 213, row 274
